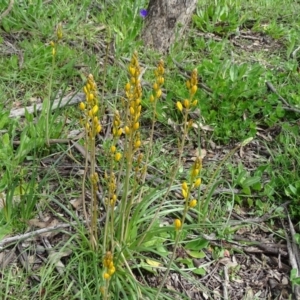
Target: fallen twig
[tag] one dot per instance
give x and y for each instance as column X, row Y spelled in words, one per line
column 57, row 103
column 10, row 240
column 293, row 254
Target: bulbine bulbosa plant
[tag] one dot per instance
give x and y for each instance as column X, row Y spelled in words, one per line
column 124, row 180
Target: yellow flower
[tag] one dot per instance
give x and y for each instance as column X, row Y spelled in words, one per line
column 195, row 172
column 197, row 182
column 81, row 106
column 194, row 103
column 91, row 97
column 193, row 203
column 194, row 89
column 184, row 186
column 158, row 93
column 118, row 156
column 177, row 224
column 137, row 144
column 131, row 109
column 136, row 126
column 186, row 103
column 184, row 193
column 119, row 132
column 59, row 32
column 113, row 149
column 106, row 276
column 179, row 105
column 152, row 98
column 111, row 270
column 127, row 87
column 98, row 128
column 127, row 130
column 95, row 109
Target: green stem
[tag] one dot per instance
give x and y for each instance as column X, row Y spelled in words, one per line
column 173, row 176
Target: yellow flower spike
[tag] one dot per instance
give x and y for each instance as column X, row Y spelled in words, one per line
column 136, row 126
column 194, row 89
column 177, row 224
column 113, row 149
column 179, row 105
column 197, row 182
column 95, row 109
column 184, row 186
column 186, row 103
column 198, row 163
column 106, row 276
column 152, row 98
column 155, row 86
column 82, row 106
column 193, row 203
column 127, row 130
column 118, row 156
column 138, row 101
column 158, row 93
column 133, row 80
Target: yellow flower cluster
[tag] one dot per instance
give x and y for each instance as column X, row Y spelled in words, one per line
column 112, row 187
column 109, row 265
column 133, row 91
column 159, row 72
column 186, row 189
column 90, row 108
column 117, row 131
column 59, row 35
column 192, row 87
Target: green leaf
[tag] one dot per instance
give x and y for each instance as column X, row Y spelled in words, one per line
column 297, row 238
column 186, row 261
column 199, row 271
column 196, row 254
column 197, row 245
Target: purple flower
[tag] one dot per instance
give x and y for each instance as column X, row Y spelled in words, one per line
column 143, row 13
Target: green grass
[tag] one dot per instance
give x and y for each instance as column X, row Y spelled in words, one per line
column 235, row 67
